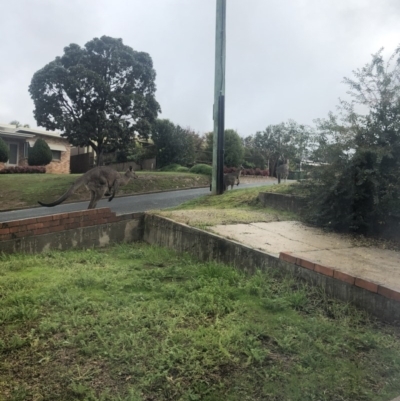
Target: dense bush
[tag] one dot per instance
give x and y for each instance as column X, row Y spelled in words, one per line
column 247, row 164
column 182, row 169
column 201, row 169
column 357, row 187
column 171, row 167
column 40, row 154
column 24, row 170
column 4, row 152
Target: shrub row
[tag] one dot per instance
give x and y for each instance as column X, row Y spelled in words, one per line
column 201, row 169
column 24, row 170
column 207, row 170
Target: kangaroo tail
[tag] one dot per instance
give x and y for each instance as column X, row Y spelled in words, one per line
column 70, row 191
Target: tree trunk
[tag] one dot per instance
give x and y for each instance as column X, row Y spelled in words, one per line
column 99, row 158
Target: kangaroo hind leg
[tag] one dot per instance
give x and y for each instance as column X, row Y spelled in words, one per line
column 96, row 195
column 114, row 191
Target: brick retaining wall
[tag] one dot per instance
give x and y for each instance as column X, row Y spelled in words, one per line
column 88, row 228
column 290, row 203
column 54, row 223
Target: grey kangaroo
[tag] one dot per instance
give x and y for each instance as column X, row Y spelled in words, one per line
column 99, row 181
column 282, row 171
column 229, row 179
column 237, row 174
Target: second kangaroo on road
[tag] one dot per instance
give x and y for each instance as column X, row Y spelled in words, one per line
column 229, row 179
column 282, row 171
column 237, row 174
column 99, row 181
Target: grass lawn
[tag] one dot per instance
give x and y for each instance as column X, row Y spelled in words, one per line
column 135, row 322
column 294, row 188
column 239, row 206
column 24, row 190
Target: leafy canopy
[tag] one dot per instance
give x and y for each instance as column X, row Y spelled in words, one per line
column 288, row 140
column 174, row 144
column 100, row 95
column 18, row 124
column 233, row 148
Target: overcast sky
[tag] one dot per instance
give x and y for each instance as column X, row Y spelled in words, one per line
column 285, row 58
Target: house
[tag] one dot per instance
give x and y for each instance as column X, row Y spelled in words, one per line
column 84, row 158
column 20, row 139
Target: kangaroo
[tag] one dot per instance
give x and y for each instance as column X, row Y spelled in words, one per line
column 282, row 171
column 229, row 179
column 99, row 181
column 237, row 174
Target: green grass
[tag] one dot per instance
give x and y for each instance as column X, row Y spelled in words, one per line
column 135, row 322
column 289, row 189
column 24, row 190
column 232, row 207
column 243, row 199
column 238, row 199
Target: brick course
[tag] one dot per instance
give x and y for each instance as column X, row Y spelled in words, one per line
column 347, row 278
column 54, row 223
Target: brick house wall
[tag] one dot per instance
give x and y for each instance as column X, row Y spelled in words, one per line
column 61, row 166
column 57, row 166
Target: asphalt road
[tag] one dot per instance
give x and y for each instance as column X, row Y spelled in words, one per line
column 125, row 204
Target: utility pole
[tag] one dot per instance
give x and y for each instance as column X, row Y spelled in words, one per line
column 219, row 101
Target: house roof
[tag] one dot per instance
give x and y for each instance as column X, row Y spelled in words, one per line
column 23, row 132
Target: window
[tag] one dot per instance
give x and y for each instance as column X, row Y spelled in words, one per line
column 56, row 154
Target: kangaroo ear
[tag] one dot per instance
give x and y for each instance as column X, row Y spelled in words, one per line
column 130, row 168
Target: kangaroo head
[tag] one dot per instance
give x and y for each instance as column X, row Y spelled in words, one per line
column 131, row 173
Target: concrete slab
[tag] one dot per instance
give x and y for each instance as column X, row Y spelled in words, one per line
column 381, row 266
column 372, row 264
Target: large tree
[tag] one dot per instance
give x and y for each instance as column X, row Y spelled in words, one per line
column 18, row 124
column 233, row 148
column 253, row 156
column 288, row 140
column 173, row 143
column 100, row 95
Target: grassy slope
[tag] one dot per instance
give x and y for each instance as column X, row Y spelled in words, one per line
column 289, row 189
column 23, row 190
column 239, row 206
column 134, row 322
